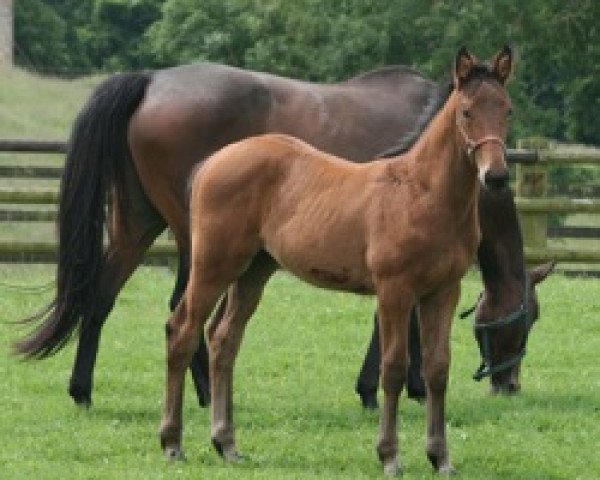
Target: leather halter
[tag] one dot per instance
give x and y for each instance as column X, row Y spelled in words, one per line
column 473, row 145
column 487, row 368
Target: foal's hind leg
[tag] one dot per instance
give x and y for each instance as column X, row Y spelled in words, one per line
column 436, row 319
column 225, row 336
column 183, row 333
column 199, row 362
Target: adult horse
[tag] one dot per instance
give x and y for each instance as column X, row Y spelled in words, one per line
column 138, row 140
column 404, row 229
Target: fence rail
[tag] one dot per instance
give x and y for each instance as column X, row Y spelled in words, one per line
column 532, row 160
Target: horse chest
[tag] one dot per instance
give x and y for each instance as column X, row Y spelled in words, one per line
column 423, row 245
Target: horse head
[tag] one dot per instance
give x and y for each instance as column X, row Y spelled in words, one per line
column 502, row 337
column 482, row 115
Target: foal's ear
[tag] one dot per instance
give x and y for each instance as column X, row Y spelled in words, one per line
column 502, row 63
column 463, row 64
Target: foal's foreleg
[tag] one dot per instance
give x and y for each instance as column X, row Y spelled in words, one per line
column 436, row 319
column 394, row 310
column 368, row 378
column 224, row 339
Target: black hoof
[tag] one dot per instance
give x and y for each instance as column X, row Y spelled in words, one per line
column 82, row 397
column 368, row 399
column 218, row 446
column 417, row 397
column 416, row 391
column 175, row 454
column 433, row 459
column 204, row 400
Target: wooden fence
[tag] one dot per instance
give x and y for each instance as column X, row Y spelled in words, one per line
column 532, row 166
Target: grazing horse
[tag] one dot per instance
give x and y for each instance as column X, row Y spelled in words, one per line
column 405, row 229
column 138, row 140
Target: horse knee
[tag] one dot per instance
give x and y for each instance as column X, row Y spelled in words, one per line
column 221, row 351
column 393, row 377
column 436, row 376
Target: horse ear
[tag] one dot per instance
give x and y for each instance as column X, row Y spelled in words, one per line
column 502, row 63
column 463, row 64
column 539, row 273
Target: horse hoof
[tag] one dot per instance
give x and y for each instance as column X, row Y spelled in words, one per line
column 174, row 454
column 420, row 400
column 392, row 468
column 234, row 457
column 369, row 400
column 444, row 467
column 447, row 470
column 228, row 452
column 80, row 397
column 417, row 394
column 203, row 400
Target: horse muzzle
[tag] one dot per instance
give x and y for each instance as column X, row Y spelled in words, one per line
column 496, row 179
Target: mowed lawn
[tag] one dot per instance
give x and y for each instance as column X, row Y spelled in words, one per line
column 296, row 412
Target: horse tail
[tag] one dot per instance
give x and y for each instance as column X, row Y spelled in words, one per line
column 97, row 152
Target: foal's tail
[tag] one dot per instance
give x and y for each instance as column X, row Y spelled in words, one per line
column 97, row 152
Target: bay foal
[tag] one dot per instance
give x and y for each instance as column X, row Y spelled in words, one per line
column 405, row 229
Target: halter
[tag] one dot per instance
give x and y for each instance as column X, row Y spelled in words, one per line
column 473, row 145
column 487, row 368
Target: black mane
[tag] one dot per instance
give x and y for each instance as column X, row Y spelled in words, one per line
column 437, row 99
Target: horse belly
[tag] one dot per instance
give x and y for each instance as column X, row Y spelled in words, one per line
column 326, row 258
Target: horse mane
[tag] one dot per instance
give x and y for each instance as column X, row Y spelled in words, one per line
column 437, row 99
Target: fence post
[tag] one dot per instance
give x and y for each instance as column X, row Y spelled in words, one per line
column 532, row 182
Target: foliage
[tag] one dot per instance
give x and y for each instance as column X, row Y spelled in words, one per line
column 556, row 88
column 73, row 37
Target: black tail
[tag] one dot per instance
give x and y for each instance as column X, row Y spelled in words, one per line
column 97, row 151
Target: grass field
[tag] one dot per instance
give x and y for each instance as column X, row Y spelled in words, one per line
column 296, row 413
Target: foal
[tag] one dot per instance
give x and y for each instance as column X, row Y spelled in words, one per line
column 405, row 229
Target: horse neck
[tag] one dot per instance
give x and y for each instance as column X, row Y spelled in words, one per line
column 439, row 163
column 500, row 254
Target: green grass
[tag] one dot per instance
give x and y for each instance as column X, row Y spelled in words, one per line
column 296, row 413
column 40, row 107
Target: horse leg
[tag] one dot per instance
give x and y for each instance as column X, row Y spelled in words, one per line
column 393, row 324
column 368, row 378
column 436, row 320
column 122, row 257
column 199, row 363
column 224, row 338
column 183, row 334
column 415, row 385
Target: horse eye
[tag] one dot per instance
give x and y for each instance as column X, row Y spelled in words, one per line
column 466, row 114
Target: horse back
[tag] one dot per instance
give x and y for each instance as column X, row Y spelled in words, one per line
column 283, row 196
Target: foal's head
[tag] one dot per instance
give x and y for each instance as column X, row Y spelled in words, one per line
column 482, row 113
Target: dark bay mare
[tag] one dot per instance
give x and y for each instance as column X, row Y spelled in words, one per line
column 137, row 142
column 404, row 229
